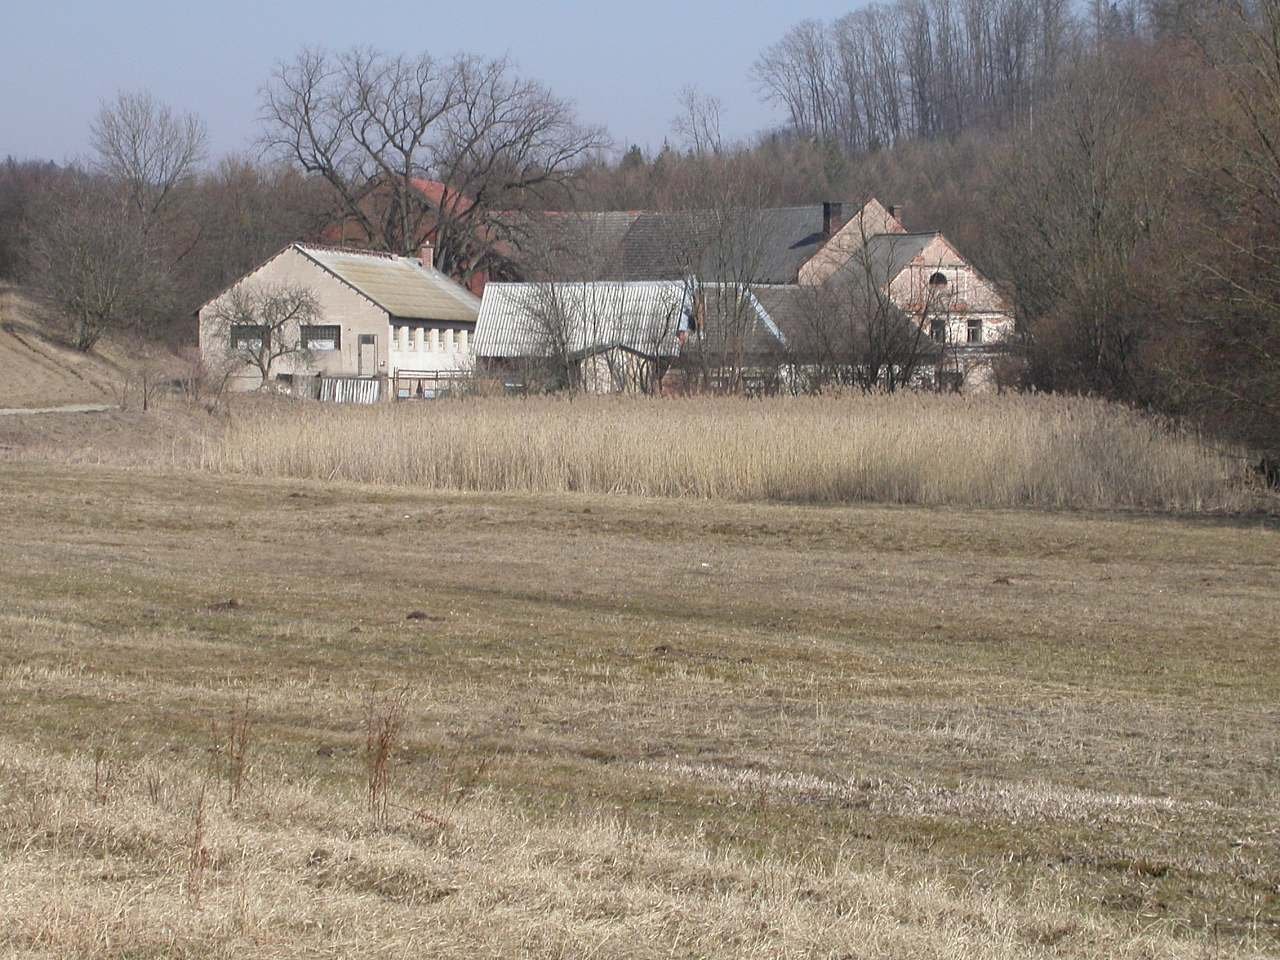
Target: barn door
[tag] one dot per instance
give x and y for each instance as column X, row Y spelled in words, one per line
column 368, row 354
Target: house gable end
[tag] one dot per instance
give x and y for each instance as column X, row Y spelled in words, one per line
column 874, row 219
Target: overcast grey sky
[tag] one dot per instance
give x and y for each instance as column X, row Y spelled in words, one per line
column 621, row 62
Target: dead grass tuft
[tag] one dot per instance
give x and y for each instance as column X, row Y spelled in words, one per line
column 198, row 856
column 383, row 720
column 232, row 742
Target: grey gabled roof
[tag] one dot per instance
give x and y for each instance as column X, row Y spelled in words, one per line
column 732, row 318
column 400, row 285
column 767, row 245
column 888, row 254
column 541, row 319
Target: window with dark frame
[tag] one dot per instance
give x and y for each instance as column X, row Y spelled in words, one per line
column 247, row 336
column 322, row 336
column 938, row 330
column 975, row 331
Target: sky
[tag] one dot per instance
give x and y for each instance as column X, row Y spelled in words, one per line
column 622, row 63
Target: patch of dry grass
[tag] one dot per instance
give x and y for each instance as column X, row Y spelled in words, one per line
column 494, row 880
column 639, row 728
column 907, row 448
column 36, row 370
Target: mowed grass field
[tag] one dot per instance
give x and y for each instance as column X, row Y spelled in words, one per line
column 634, row 728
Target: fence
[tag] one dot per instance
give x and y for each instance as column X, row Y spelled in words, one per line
column 360, row 390
column 426, row 384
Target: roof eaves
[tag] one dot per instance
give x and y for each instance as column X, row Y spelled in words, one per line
column 767, row 320
column 229, row 287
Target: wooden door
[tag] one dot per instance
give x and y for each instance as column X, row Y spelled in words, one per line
column 368, row 354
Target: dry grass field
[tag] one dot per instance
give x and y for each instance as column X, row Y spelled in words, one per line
column 621, row 727
column 903, row 448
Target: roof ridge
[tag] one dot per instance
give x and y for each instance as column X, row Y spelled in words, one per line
column 360, row 251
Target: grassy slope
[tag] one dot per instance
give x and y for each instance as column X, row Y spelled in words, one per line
column 36, row 371
column 641, row 728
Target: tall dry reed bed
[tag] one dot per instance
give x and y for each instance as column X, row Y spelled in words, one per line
column 922, row 449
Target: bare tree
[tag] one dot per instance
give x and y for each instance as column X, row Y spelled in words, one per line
column 917, row 68
column 259, row 325
column 143, row 376
column 89, row 256
column 20, row 183
column 373, row 126
column 247, row 211
column 1080, row 200
column 146, row 146
column 1228, row 368
column 698, row 123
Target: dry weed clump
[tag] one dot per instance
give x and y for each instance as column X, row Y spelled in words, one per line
column 1032, row 451
column 198, row 856
column 383, row 720
column 232, row 742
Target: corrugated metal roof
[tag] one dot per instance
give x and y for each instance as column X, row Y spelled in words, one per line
column 400, row 285
column 539, row 319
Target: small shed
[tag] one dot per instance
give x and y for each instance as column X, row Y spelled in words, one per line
column 604, row 336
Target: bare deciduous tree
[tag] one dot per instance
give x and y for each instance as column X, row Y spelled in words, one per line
column 1080, row 199
column 717, row 240
column 698, row 123
column 262, row 324
column 916, row 68
column 589, row 330
column 148, row 148
column 371, row 124
column 89, row 255
column 853, row 333
column 1229, row 370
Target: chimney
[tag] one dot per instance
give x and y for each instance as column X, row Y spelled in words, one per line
column 427, row 254
column 896, row 210
column 832, row 217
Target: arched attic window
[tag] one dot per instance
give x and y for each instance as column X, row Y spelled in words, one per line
column 938, row 280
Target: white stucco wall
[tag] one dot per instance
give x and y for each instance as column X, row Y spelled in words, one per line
column 966, row 296
column 430, row 346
